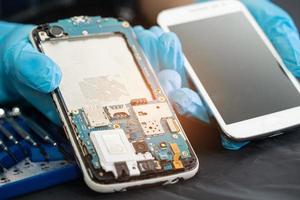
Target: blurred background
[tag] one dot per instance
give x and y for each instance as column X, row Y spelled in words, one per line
column 135, row 11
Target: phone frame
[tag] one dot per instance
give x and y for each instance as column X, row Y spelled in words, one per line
column 131, row 40
column 254, row 128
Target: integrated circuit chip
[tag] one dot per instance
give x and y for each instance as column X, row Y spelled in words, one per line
column 150, row 115
column 173, row 126
column 117, row 111
column 140, row 147
column 96, row 116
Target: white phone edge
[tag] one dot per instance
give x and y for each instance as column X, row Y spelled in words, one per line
column 254, row 128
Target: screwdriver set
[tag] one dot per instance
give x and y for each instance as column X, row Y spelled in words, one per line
column 34, row 154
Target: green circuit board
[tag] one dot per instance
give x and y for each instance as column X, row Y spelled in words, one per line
column 122, row 121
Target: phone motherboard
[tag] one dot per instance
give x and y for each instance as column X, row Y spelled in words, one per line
column 120, row 118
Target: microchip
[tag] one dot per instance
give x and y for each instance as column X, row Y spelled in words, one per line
column 163, row 155
column 117, row 111
column 140, row 147
column 152, row 127
column 96, row 116
column 150, row 115
column 173, row 126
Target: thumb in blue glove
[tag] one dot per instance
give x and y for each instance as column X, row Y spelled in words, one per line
column 165, row 55
column 24, row 72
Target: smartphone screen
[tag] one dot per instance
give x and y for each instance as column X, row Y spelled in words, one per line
column 238, row 71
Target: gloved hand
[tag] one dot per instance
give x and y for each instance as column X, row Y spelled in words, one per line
column 24, row 72
column 165, row 54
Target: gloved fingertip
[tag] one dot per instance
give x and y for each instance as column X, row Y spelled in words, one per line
column 156, row 30
column 170, row 39
column 172, row 56
column 232, row 145
column 148, row 42
column 188, row 103
column 170, row 80
column 138, row 29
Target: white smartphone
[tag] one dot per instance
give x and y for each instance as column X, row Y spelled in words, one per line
column 235, row 68
column 122, row 127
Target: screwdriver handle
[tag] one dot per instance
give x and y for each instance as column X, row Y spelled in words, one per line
column 38, row 130
column 8, row 135
column 26, row 136
column 3, row 146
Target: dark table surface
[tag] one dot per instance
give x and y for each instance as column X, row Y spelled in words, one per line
column 265, row 169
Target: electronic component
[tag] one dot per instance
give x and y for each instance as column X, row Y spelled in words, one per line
column 173, row 126
column 152, row 127
column 96, row 116
column 140, row 147
column 164, row 155
column 122, row 169
column 176, row 156
column 176, row 151
column 136, row 102
column 178, row 164
column 163, row 145
column 148, row 166
column 150, row 115
column 113, row 147
column 56, row 31
column 169, row 138
column 117, row 111
column 167, row 166
column 152, row 111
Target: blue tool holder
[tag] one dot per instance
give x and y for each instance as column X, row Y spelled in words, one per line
column 32, row 172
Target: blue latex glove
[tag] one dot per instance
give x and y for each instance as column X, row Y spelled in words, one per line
column 24, row 72
column 165, row 54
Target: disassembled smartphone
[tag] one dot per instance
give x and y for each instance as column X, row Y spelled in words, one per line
column 235, row 68
column 122, row 127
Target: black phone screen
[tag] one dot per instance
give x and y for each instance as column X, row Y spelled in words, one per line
column 236, row 68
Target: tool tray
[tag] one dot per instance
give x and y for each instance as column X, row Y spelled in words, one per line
column 28, row 170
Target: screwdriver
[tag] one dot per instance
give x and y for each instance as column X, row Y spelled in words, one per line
column 40, row 131
column 26, row 136
column 7, row 134
column 12, row 138
column 6, row 150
